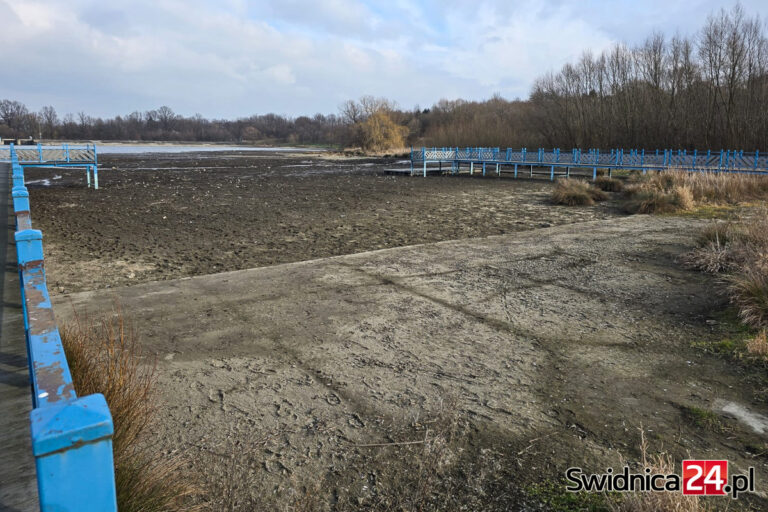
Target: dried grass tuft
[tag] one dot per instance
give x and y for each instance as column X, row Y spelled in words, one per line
column 757, row 347
column 609, row 184
column 576, row 193
column 749, row 292
column 657, row 501
column 105, row 357
column 677, row 190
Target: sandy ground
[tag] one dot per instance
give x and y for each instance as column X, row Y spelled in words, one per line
column 553, row 346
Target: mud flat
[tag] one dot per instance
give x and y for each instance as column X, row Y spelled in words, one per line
column 550, row 347
column 169, row 216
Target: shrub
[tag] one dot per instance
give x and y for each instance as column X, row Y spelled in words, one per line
column 749, row 291
column 609, row 184
column 757, row 347
column 645, row 200
column 105, row 357
column 658, row 196
column 576, row 193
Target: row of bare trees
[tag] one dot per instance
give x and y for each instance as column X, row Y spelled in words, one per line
column 708, row 91
column 705, row 91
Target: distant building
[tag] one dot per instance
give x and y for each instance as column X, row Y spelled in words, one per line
column 19, row 142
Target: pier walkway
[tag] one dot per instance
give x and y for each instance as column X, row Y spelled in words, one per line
column 554, row 162
column 18, row 484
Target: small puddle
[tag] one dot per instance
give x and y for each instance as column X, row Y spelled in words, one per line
column 755, row 421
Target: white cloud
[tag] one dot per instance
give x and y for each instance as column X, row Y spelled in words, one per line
column 237, row 57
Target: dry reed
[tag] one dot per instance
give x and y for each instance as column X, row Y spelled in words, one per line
column 106, row 357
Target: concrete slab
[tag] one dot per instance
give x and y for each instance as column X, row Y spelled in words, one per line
column 554, row 344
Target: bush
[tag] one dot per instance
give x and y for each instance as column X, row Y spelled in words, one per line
column 749, row 291
column 730, row 246
column 757, row 347
column 576, row 193
column 105, row 357
column 658, row 195
column 379, row 133
column 609, row 184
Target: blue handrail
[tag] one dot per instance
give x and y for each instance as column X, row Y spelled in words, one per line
column 726, row 161
column 71, row 435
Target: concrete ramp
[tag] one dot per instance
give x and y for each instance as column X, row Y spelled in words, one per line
column 574, row 334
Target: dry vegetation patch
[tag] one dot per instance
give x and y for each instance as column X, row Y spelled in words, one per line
column 676, row 190
column 740, row 250
column 105, row 357
column 576, row 193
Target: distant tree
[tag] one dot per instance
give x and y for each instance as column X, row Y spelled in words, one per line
column 13, row 114
column 379, row 132
column 48, row 120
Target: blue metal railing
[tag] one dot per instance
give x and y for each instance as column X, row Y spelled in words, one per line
column 725, row 161
column 66, row 155
column 71, row 436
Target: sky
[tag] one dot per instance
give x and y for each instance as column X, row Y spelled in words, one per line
column 235, row 58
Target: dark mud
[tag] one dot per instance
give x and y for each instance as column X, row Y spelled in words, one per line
column 161, row 217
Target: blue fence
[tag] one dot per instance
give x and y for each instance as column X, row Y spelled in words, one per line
column 592, row 159
column 66, row 155
column 71, row 436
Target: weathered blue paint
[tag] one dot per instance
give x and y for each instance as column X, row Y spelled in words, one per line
column 20, row 197
column 71, row 436
column 72, row 444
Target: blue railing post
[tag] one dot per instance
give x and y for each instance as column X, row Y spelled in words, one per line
column 72, row 444
column 757, row 155
column 71, row 437
column 20, row 197
column 66, row 151
column 40, row 152
column 18, row 176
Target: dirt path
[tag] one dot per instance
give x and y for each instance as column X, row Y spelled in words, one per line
column 550, row 346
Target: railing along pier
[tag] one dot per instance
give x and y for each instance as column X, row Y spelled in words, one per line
column 71, row 435
column 556, row 162
column 66, row 155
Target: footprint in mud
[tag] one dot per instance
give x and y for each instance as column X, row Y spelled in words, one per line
column 355, row 421
column 333, row 399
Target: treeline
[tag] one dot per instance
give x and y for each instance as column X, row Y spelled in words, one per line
column 708, row 91
column 705, row 91
column 163, row 124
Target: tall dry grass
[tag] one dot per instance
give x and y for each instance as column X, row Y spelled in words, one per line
column 739, row 249
column 105, row 357
column 657, row 501
column 677, row 190
column 572, row 192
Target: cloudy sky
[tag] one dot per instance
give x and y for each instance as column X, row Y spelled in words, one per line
column 233, row 58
